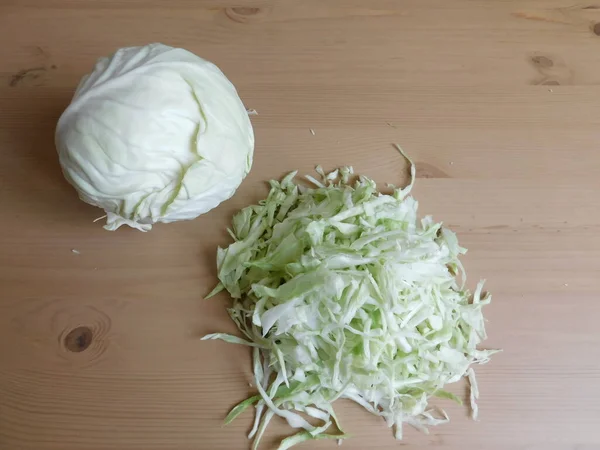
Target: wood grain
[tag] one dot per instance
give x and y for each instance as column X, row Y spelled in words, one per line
column 497, row 101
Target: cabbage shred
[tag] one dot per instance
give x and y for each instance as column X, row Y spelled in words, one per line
column 342, row 292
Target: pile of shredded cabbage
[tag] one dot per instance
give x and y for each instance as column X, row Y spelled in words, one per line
column 343, row 293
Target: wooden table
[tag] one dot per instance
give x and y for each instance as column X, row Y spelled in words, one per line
column 497, row 101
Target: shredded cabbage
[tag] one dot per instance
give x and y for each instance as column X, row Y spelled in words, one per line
column 343, row 293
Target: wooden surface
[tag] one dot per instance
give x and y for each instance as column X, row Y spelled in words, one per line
column 497, row 101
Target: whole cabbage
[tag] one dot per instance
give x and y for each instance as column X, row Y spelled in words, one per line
column 154, row 134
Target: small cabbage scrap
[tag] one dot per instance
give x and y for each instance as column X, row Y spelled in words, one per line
column 343, row 293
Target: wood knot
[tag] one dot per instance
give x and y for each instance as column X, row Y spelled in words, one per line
column 596, row 29
column 78, row 339
column 26, row 76
column 86, row 334
column 244, row 11
column 551, row 69
column 542, row 61
column 245, row 14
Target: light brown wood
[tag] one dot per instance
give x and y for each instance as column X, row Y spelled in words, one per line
column 497, row 101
